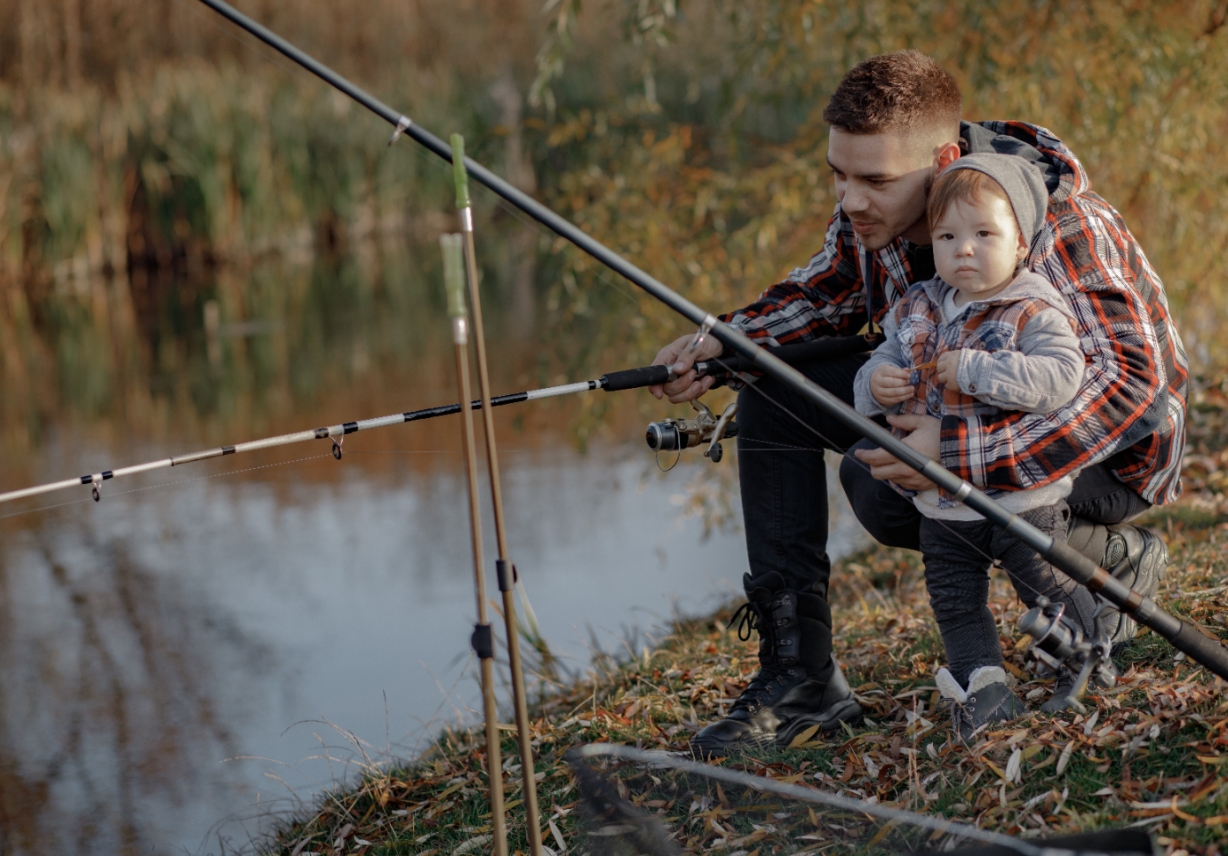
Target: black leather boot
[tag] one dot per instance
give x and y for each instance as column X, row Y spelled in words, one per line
column 798, row 684
column 1132, row 554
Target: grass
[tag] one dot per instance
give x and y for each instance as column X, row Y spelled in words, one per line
column 1149, row 753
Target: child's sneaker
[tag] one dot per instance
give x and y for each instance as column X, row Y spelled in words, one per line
column 988, row 699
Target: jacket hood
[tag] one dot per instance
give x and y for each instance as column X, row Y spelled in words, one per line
column 1026, row 285
column 1064, row 175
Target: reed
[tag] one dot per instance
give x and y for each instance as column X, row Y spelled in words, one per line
column 69, row 43
column 144, row 133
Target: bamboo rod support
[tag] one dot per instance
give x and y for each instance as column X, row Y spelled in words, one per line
column 483, row 642
column 506, row 570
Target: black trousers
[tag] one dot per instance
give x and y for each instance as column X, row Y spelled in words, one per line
column 781, row 439
column 958, row 555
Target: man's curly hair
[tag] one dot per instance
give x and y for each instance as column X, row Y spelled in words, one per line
column 904, row 90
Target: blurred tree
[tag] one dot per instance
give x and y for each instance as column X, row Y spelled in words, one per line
column 709, row 169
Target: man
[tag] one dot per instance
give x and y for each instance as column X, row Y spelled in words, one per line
column 895, row 124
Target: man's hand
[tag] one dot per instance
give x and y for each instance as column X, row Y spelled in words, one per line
column 948, row 365
column 686, row 387
column 889, row 385
column 924, row 437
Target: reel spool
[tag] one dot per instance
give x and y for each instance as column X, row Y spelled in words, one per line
column 674, row 435
column 1057, row 641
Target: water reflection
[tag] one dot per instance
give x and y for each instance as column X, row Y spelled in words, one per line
column 151, row 644
column 102, row 676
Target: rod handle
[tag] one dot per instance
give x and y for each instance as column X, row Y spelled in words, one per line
column 453, row 274
column 635, row 378
column 459, row 174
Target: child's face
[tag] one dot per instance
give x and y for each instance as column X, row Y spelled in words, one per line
column 977, row 246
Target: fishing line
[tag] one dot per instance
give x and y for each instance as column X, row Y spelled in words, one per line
column 780, row 447
column 866, row 467
column 403, row 451
column 44, row 508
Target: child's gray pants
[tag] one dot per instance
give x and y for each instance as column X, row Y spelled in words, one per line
column 958, row 554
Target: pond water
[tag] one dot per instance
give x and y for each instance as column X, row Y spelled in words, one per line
column 189, row 657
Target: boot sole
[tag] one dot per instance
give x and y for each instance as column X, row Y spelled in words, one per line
column 829, row 721
column 706, row 751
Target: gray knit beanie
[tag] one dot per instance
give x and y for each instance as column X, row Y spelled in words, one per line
column 1023, row 183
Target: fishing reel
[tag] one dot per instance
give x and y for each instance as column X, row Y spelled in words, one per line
column 1058, row 641
column 670, row 435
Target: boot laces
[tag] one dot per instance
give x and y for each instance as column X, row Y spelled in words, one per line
column 962, row 722
column 771, row 677
column 748, row 618
column 763, row 685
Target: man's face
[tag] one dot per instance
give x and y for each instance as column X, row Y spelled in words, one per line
column 882, row 181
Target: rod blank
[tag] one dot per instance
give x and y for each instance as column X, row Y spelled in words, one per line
column 329, row 432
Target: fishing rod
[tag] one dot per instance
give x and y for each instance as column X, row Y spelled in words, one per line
column 482, row 640
column 615, row 381
column 505, row 571
column 1184, row 636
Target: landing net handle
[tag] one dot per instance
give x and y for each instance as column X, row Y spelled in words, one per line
column 1184, row 637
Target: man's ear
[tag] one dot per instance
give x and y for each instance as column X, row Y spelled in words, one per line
column 944, row 156
column 1021, row 250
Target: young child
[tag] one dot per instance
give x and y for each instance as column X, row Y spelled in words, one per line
column 983, row 336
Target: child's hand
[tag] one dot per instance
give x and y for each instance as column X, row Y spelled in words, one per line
column 890, row 385
column 948, row 365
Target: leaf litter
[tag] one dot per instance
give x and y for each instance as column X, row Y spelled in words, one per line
column 1152, row 751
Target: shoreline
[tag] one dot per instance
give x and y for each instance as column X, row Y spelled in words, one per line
column 1148, row 751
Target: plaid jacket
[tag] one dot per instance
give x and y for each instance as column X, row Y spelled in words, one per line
column 1130, row 410
column 992, row 325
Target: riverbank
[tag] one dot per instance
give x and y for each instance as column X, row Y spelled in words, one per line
column 1149, row 753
